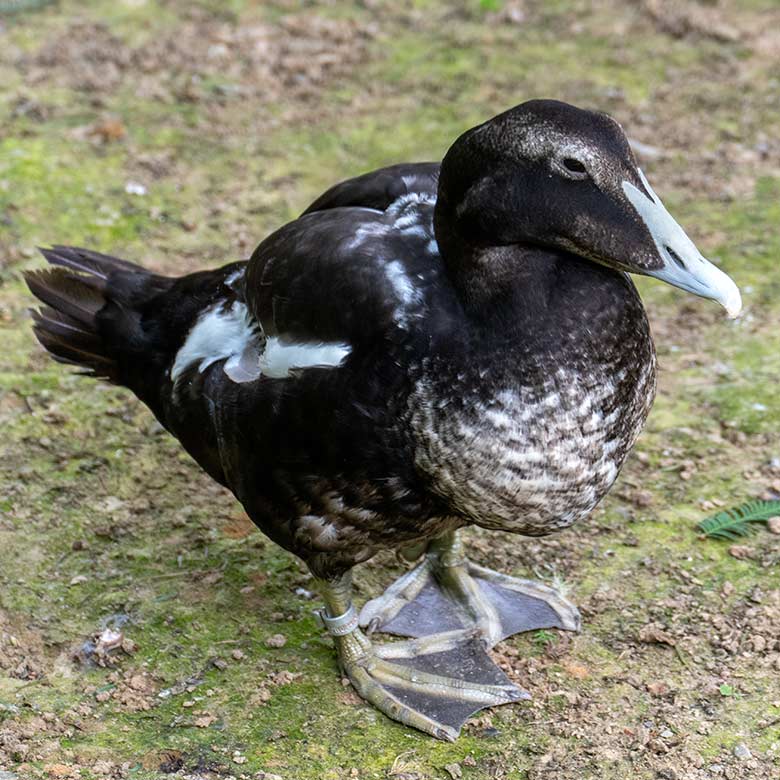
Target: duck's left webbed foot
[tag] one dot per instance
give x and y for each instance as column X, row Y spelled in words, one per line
column 434, row 683
column 447, row 592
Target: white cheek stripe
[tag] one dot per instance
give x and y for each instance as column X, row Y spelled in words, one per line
column 231, row 335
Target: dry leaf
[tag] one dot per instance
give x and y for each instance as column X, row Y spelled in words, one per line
column 578, row 671
column 654, row 634
column 658, row 688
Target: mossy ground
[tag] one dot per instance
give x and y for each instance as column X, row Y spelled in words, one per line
column 179, row 134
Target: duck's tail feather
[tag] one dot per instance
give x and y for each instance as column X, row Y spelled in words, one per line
column 75, row 293
column 120, row 322
column 67, row 341
column 88, row 262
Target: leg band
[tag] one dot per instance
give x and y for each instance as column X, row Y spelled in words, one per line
column 341, row 624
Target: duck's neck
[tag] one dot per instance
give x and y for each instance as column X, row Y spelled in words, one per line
column 495, row 283
column 521, row 290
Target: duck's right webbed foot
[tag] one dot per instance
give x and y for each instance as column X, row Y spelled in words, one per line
column 433, row 683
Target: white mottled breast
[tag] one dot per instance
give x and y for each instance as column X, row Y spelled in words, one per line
column 530, row 459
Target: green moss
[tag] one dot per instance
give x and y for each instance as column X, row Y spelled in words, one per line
column 158, row 550
column 49, row 191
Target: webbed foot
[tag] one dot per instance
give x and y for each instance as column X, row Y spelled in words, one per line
column 447, row 592
column 434, row 683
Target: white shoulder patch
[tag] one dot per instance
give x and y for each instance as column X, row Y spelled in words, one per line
column 218, row 334
column 232, row 335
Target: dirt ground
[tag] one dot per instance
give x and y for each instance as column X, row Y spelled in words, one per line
column 145, row 629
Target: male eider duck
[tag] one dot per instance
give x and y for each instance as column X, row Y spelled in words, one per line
column 426, row 347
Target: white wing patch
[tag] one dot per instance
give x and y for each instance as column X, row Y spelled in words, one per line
column 281, row 357
column 232, row 335
column 218, row 334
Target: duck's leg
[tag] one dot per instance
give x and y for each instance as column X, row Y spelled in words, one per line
column 433, row 684
column 446, row 592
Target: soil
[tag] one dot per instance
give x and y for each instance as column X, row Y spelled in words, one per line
column 146, row 629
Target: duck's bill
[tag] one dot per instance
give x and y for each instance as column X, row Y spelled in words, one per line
column 684, row 266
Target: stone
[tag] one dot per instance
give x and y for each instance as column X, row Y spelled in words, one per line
column 277, row 640
column 742, row 752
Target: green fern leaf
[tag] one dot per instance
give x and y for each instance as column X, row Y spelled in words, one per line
column 739, row 521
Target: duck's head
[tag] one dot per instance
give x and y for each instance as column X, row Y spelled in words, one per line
column 548, row 174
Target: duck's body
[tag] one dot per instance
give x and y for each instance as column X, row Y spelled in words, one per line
column 425, row 416
column 381, row 372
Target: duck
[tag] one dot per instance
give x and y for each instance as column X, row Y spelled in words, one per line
column 429, row 346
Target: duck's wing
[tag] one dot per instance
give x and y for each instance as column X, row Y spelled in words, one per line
column 381, row 188
column 354, row 276
column 359, row 264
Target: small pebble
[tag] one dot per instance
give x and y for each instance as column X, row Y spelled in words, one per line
column 135, row 188
column 277, row 640
column 742, row 752
column 237, row 654
column 773, row 524
column 454, row 771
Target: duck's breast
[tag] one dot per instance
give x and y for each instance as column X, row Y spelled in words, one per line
column 532, row 450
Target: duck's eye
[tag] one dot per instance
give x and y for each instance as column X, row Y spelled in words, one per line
column 574, row 167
